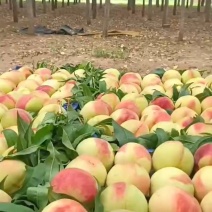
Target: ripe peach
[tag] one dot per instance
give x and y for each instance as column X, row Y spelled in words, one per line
column 171, row 82
column 41, row 94
column 136, row 127
column 45, row 73
column 68, row 86
column 79, row 73
column 112, row 71
column 163, row 102
column 122, row 115
column 14, row 128
column 53, row 83
column 98, row 148
column 39, row 119
column 63, row 205
column 152, row 88
column 189, row 101
column 209, row 79
column 47, row 89
column 61, row 94
column 59, row 76
column 94, row 108
column 36, row 77
column 4, row 197
column 54, row 108
column 206, row 202
column 130, row 88
column 151, row 80
column 29, row 84
column 130, row 77
column 198, row 80
column 10, row 117
column 3, row 109
column 171, row 74
column 8, row 101
column 110, row 83
column 21, row 90
column 6, row 85
column 206, row 103
column 27, row 71
column 197, row 88
column 167, row 126
column 207, row 115
column 123, row 196
column 133, row 174
column 64, row 71
column 16, row 95
column 14, row 76
column 190, row 74
column 51, row 101
column 121, row 210
column 178, row 156
column 92, row 165
column 76, row 183
column 3, row 144
column 14, row 171
column 170, row 92
column 152, row 108
column 134, row 153
column 199, row 129
column 110, row 98
column 202, row 182
column 172, row 199
column 171, row 176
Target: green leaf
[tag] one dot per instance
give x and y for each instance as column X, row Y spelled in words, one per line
column 105, row 122
column 10, row 207
column 102, row 86
column 11, row 137
column 184, row 91
column 176, row 93
column 157, row 94
column 162, row 136
column 98, row 204
column 159, row 71
column 207, row 92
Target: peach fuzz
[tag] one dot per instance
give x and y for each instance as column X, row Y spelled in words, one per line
column 171, row 82
column 27, row 71
column 3, row 144
column 207, row 115
column 6, row 85
column 150, row 80
column 171, row 74
column 136, row 127
column 122, row 115
column 110, row 83
column 47, row 89
column 206, row 202
column 64, row 205
column 53, row 83
column 29, row 84
column 199, row 129
column 45, row 73
column 8, row 101
column 130, row 173
column 123, row 196
column 112, row 71
column 130, row 77
column 172, row 199
column 15, row 171
column 98, row 148
column 178, row 156
column 75, row 183
column 163, row 102
column 130, row 88
column 203, row 156
column 152, row 88
column 4, row 197
column 92, row 165
column 110, row 98
column 189, row 101
column 54, row 108
column 36, row 77
column 182, row 112
column 3, row 109
column 94, row 108
column 167, row 126
column 202, row 182
column 190, row 74
column 206, row 103
column 10, row 117
column 171, row 176
column 134, row 153
column 14, row 76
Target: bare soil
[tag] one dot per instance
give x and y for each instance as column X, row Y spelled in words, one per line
column 155, row 47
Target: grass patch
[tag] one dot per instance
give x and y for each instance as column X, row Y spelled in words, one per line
column 112, row 54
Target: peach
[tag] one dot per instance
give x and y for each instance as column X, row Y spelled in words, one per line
column 21, row 90
column 171, row 176
column 167, row 126
column 198, row 80
column 139, row 99
column 208, row 79
column 1, row 128
column 63, row 205
column 39, row 119
column 185, row 122
column 13, row 128
column 36, row 77
column 130, row 88
column 45, row 73
column 110, row 98
column 163, row 102
column 14, row 76
column 172, row 199
column 10, row 150
column 79, row 73
column 29, row 84
column 47, row 89
column 30, row 103
column 190, row 74
column 123, row 196
column 136, row 127
column 171, row 74
column 6, row 85
column 113, row 72
column 110, row 83
column 206, row 202
column 75, row 183
column 91, row 165
column 206, row 103
column 41, row 94
column 207, row 115
column 64, row 71
column 130, row 77
column 199, row 129
column 61, row 94
column 14, row 173
column 8, row 101
column 151, row 80
column 10, row 117
column 170, row 92
column 152, row 88
column 16, row 95
column 203, row 156
column 97, row 119
column 122, row 115
column 134, row 153
column 189, row 101
column 53, row 83
column 60, row 76
column 68, row 86
column 152, row 108
column 3, row 144
column 94, row 108
column 4, row 197
column 3, row 109
column 171, row 82
column 202, row 182
column 27, row 71
column 59, row 101
column 121, row 210
column 98, row 148
column 178, row 156
column 197, row 88
column 133, row 174
column 54, row 108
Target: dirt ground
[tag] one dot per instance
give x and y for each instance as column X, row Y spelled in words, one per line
column 155, row 47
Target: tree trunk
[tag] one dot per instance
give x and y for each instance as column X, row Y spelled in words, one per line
column 191, row 3
column 55, row 4
column 187, row 3
column 94, row 9
column 198, row 6
column 175, row 7
column 100, row 4
column 15, row 10
column 63, row 3
column 190, row 8
column 207, row 10
column 165, row 13
column 30, row 13
column 6, row 1
column 178, row 3
column 21, row 3
column 162, row 5
column 52, row 5
column 34, row 7
column 182, row 19
column 88, row 18
column 133, row 6
column 10, row 4
column 129, row 5
column 202, row 3
column 68, row 2
column 157, row 3
column 44, row 6
column 106, row 18
column 150, row 10
column 143, row 8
